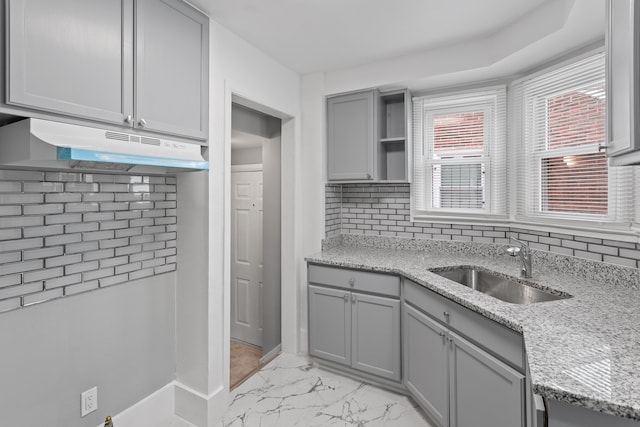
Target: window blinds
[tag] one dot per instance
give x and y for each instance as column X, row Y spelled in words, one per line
column 460, row 153
column 560, row 119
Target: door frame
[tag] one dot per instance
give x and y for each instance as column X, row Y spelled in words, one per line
column 290, row 250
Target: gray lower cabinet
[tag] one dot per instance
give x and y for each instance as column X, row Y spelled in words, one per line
column 330, row 324
column 375, row 335
column 356, row 330
column 426, row 362
column 139, row 64
column 456, row 382
column 484, row 392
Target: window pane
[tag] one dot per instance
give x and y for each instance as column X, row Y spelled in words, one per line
column 458, row 132
column 577, row 117
column 575, row 184
column 458, row 186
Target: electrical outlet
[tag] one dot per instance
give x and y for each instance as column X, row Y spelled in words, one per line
column 88, row 401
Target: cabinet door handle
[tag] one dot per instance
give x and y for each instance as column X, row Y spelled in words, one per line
column 368, row 176
column 142, row 122
column 441, row 334
column 446, row 315
column 353, row 299
column 128, row 119
column 352, row 281
column 602, row 147
column 346, row 297
column 450, row 339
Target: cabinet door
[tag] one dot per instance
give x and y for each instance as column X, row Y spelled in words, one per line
column 484, row 391
column 351, row 136
column 172, row 68
column 376, row 335
column 622, row 77
column 425, row 364
column 330, row 324
column 73, row 57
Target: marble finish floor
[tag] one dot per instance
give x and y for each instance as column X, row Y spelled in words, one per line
column 289, row 391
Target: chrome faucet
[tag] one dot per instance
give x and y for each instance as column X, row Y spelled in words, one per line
column 525, row 256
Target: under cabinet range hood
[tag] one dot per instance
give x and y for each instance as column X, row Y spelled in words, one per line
column 43, row 144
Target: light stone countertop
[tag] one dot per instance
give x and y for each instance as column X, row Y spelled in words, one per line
column 584, row 350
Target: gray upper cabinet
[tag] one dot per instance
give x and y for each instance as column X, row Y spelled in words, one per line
column 172, row 72
column 139, row 64
column 623, row 84
column 351, row 132
column 71, row 57
column 368, row 137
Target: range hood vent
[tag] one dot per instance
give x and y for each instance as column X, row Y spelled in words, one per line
column 43, row 144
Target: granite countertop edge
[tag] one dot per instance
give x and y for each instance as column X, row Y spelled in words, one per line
column 498, row 311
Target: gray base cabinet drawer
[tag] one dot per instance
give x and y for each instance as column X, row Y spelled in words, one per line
column 497, row 339
column 357, row 280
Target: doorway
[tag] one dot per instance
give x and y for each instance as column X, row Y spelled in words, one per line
column 255, row 311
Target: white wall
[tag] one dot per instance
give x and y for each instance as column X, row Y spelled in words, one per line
column 239, row 68
column 120, row 339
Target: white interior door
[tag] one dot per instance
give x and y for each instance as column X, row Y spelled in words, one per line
column 246, row 257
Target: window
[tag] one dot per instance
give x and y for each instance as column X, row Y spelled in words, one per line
column 460, row 153
column 562, row 174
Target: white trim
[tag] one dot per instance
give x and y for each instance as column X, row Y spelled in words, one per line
column 271, row 355
column 290, row 170
column 157, row 409
column 247, row 168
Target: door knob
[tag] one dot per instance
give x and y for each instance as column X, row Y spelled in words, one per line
column 346, row 297
column 142, row 122
column 128, row 119
column 352, row 281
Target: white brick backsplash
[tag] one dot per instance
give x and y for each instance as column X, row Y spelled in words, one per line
column 82, row 287
column 383, row 209
column 11, row 234
column 62, row 219
column 63, row 233
column 42, row 297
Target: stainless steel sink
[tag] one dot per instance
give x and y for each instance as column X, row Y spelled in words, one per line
column 498, row 286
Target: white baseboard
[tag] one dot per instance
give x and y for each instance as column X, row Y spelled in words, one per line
column 174, row 405
column 199, row 409
column 271, row 355
column 157, row 409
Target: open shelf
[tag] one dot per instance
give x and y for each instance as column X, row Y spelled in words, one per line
column 392, row 148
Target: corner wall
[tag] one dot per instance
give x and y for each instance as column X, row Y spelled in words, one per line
column 237, row 68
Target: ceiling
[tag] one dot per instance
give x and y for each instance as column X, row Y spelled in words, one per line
column 325, row 35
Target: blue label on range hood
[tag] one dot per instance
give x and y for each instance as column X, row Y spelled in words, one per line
column 65, row 153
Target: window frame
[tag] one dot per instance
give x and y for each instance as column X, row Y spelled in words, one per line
column 521, row 210
column 623, row 231
column 491, row 101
